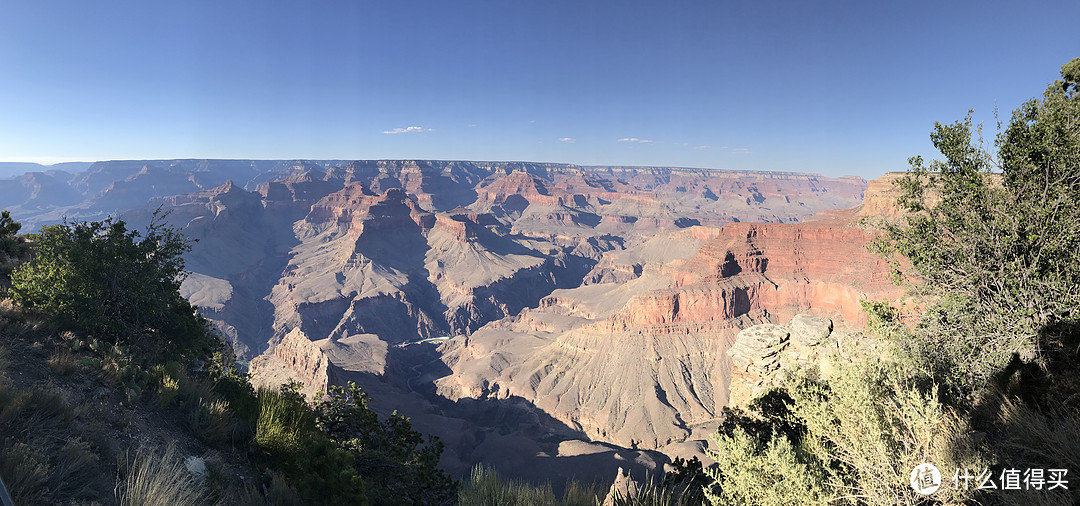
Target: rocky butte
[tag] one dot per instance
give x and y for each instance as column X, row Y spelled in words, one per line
column 550, row 320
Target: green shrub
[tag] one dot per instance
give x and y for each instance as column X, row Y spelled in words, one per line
column 115, row 284
column 233, row 385
column 210, row 421
column 9, row 239
column 997, row 253
column 395, row 460
column 283, row 423
column 851, row 438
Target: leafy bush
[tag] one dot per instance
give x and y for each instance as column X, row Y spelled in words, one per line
column 686, row 482
column 9, row 230
column 999, row 252
column 114, row 283
column 392, row 458
column 998, row 257
column 851, row 438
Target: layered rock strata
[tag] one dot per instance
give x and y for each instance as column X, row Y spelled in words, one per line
column 764, row 355
column 599, row 300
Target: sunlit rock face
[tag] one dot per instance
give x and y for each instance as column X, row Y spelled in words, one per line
column 638, row 356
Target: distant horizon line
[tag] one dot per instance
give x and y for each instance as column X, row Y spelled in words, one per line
column 601, row 166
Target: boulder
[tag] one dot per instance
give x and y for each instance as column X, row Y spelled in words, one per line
column 623, row 489
column 764, row 337
column 809, row 330
column 196, row 466
column 757, row 348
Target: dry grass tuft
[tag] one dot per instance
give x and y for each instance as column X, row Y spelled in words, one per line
column 63, row 363
column 211, row 420
column 579, row 494
column 26, row 472
column 155, row 479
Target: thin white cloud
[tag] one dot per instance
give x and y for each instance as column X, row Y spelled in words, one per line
column 568, row 140
column 407, row 130
column 704, row 147
column 635, row 139
column 741, row 151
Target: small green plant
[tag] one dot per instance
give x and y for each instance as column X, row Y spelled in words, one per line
column 211, row 421
column 283, row 422
column 654, row 494
column 277, row 493
column 167, row 390
column 577, row 493
column 26, row 472
column 40, row 460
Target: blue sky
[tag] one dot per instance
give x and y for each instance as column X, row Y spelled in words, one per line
column 844, row 87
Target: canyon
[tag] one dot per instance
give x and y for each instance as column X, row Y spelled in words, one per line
column 550, row 320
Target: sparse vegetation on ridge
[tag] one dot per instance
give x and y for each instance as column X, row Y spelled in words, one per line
column 987, row 378
column 99, row 309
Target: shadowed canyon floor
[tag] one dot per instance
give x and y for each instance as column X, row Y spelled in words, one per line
column 575, row 319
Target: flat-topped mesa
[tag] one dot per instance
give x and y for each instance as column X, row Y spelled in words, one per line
column 516, row 186
column 465, row 226
column 880, row 197
column 303, row 190
column 227, row 192
column 357, row 205
column 883, row 192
